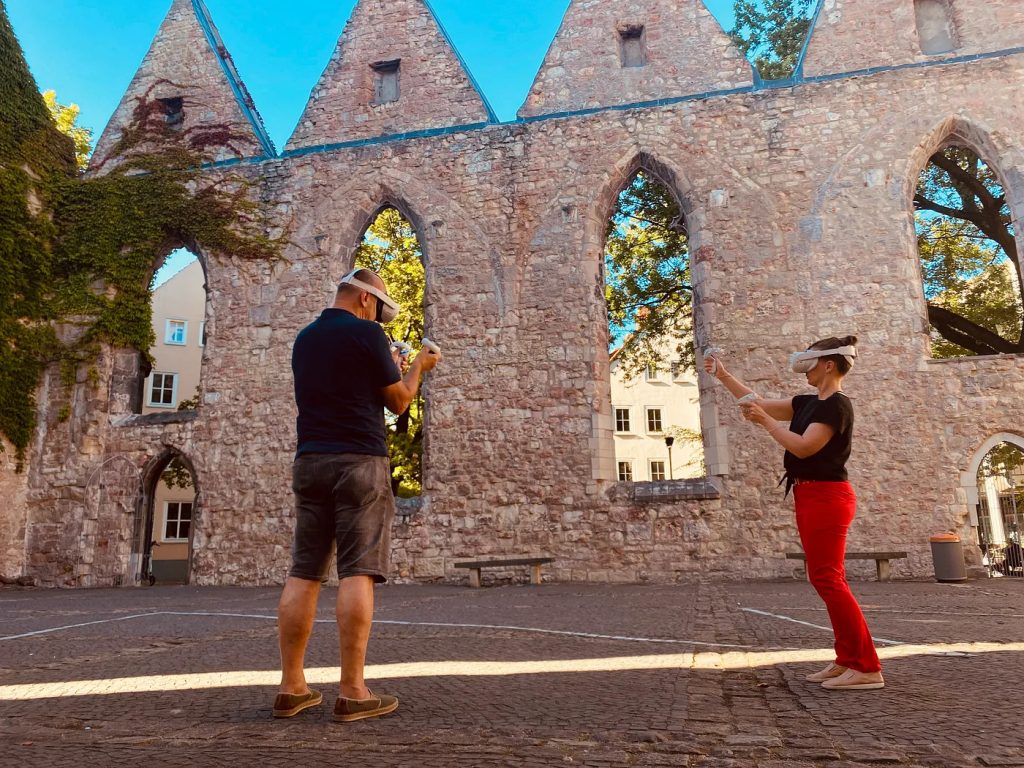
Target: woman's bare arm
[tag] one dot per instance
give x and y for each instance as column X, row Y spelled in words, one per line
column 777, row 409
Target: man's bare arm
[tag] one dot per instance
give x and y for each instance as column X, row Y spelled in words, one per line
column 399, row 396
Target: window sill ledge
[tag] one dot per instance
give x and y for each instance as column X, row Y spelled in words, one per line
column 695, row 489
column 154, row 419
column 406, row 509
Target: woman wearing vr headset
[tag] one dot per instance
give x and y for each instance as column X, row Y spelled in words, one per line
column 817, row 443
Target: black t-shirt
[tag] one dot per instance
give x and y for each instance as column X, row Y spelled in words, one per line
column 341, row 365
column 830, row 462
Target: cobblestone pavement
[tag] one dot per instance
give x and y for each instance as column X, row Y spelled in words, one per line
column 559, row 675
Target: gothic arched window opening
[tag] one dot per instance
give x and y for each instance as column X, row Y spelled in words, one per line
column 970, row 260
column 648, row 290
column 391, row 248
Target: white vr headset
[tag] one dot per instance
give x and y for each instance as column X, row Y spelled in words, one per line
column 802, row 362
column 387, row 309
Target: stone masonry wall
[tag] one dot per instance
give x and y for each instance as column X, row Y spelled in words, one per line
column 182, row 63
column 13, row 488
column 857, row 34
column 798, row 202
column 435, row 90
column 685, row 49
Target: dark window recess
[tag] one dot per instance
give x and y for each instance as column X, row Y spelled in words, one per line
column 174, row 110
column 633, row 45
column 385, row 86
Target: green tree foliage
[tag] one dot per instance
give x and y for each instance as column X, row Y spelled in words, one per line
column 772, row 33
column 177, row 475
column 391, row 249
column 81, row 252
column 969, row 257
column 66, row 119
column 1005, row 459
column 33, row 153
column 647, row 278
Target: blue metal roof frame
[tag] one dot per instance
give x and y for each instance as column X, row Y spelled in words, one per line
column 491, row 116
column 245, row 102
column 547, row 53
column 798, row 71
column 763, row 86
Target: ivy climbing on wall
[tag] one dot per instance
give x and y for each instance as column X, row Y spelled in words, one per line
column 80, row 252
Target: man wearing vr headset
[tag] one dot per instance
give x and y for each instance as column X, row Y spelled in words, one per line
column 346, row 374
column 818, row 443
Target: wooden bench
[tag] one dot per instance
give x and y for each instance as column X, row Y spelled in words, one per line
column 882, row 560
column 475, row 566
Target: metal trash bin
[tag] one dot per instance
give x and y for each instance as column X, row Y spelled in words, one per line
column 948, row 558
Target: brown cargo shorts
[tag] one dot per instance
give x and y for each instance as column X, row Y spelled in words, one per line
column 345, row 500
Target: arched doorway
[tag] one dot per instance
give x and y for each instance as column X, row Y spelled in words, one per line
column 170, row 504
column 994, row 488
column 1001, row 509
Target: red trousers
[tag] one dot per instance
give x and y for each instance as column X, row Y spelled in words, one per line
column 824, row 512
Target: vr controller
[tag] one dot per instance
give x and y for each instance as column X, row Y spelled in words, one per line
column 715, row 353
column 712, row 352
column 404, row 350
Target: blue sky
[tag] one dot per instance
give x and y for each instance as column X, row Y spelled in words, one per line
column 88, row 51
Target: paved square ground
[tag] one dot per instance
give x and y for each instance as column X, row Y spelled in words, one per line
column 559, row 675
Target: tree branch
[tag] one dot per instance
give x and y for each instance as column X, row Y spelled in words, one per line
column 970, row 335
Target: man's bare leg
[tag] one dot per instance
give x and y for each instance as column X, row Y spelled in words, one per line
column 355, row 617
column 295, row 615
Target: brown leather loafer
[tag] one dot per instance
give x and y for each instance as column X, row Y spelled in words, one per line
column 290, row 704
column 347, row 710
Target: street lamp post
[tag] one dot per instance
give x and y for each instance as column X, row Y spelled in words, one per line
column 668, row 444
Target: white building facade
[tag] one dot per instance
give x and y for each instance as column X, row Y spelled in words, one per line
column 661, row 403
column 179, row 327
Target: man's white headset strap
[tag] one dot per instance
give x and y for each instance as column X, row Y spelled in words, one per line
column 350, row 279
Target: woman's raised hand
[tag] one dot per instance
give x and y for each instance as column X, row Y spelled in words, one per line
column 754, row 413
column 713, row 366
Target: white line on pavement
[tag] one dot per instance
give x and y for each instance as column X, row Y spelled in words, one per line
column 394, row 622
column 75, row 626
column 809, row 624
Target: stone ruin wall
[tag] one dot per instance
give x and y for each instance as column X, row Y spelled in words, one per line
column 798, row 202
column 13, row 490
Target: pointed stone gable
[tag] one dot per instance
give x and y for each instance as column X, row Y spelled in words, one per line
column 394, row 71
column 851, row 35
column 612, row 52
column 188, row 61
